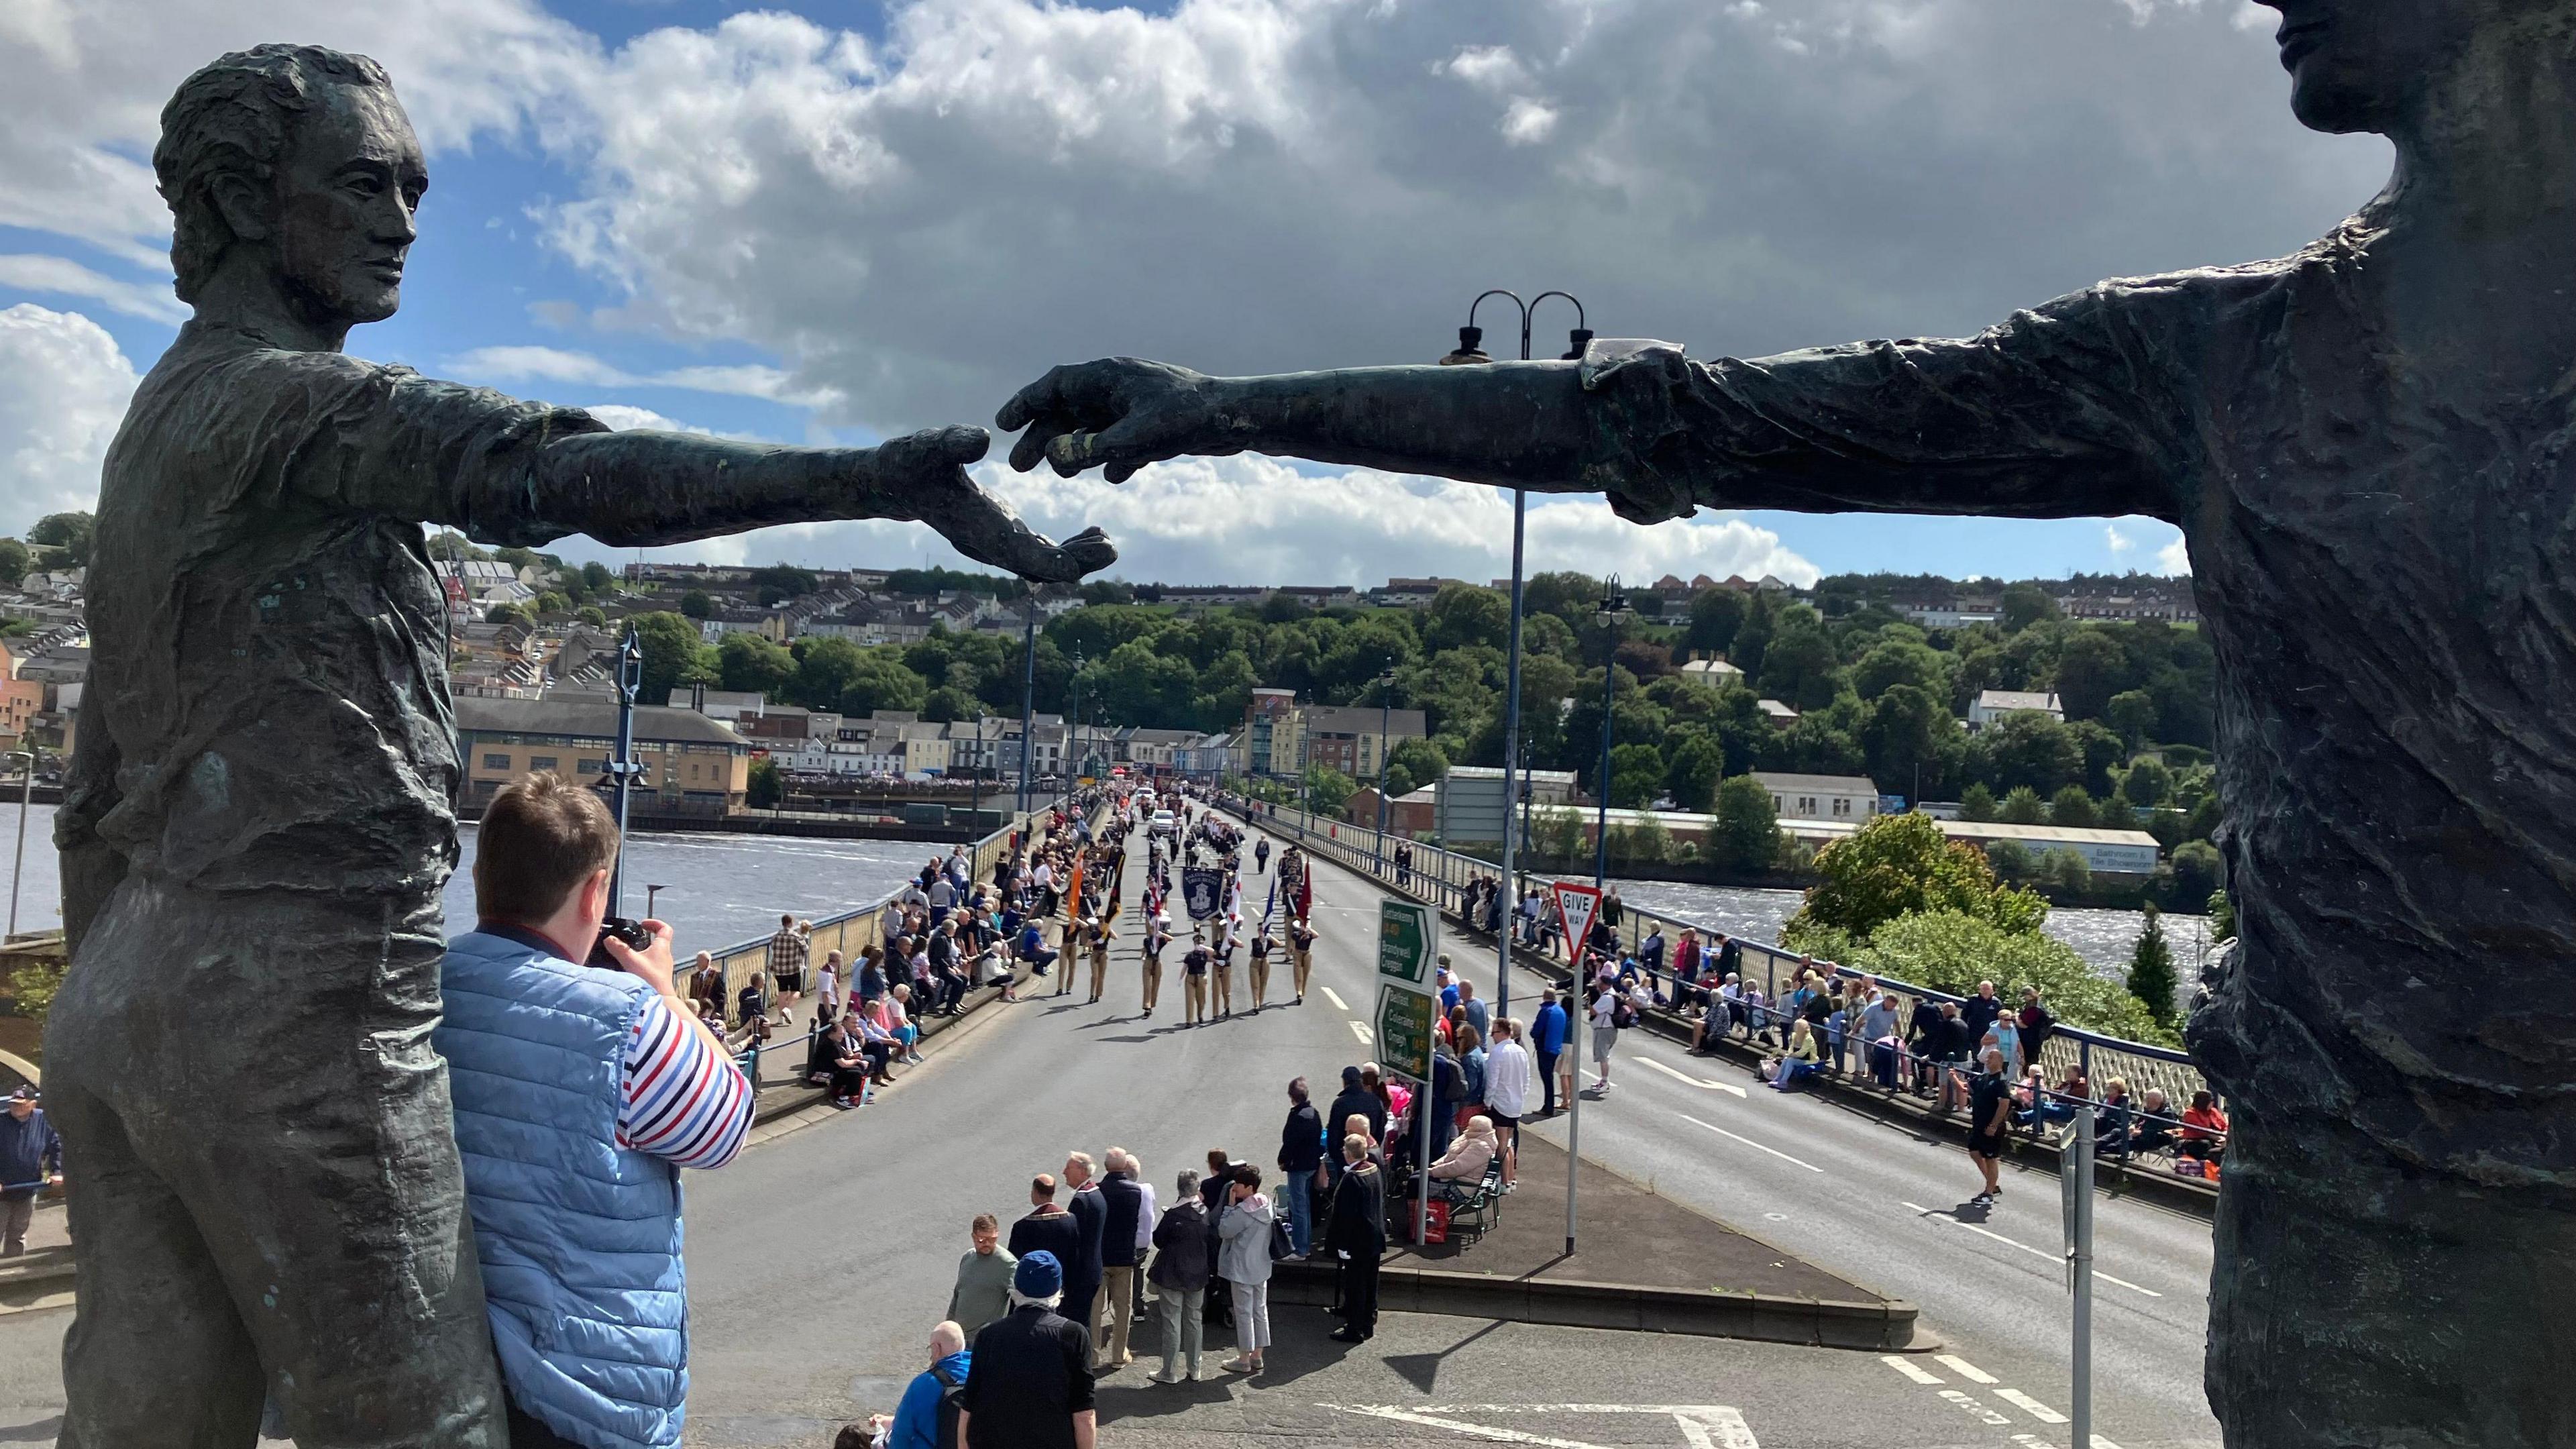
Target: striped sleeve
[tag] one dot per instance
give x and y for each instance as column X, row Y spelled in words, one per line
column 686, row 1102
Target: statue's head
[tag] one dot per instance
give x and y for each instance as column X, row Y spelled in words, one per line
column 2375, row 65
column 299, row 161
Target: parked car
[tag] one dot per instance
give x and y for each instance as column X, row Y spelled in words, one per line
column 1161, row 823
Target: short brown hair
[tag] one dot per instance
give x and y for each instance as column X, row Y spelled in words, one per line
column 541, row 837
column 986, row 1223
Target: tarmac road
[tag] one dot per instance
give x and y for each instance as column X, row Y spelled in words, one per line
column 819, row 1260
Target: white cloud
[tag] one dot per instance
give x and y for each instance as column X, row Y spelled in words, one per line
column 2174, row 557
column 2119, row 542
column 522, row 364
column 1213, row 520
column 63, row 389
column 1527, row 122
column 622, row 418
column 31, row 272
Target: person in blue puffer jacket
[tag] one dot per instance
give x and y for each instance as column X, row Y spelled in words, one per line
column 580, row 1093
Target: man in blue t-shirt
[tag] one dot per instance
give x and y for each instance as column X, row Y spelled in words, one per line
column 1547, row 1037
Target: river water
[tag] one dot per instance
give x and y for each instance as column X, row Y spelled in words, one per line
column 2105, row 939
column 721, row 890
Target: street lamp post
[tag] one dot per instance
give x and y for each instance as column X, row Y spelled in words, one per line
column 1028, row 695
column 1385, row 711
column 1614, row 605
column 623, row 769
column 1470, row 352
column 26, row 803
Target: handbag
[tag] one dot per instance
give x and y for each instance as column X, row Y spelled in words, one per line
column 1282, row 1246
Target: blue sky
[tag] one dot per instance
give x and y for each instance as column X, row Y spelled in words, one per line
column 826, row 223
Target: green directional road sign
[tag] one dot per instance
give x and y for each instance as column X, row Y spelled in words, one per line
column 1408, row 938
column 1404, row 1030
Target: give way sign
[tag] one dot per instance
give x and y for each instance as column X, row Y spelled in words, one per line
column 1578, row 904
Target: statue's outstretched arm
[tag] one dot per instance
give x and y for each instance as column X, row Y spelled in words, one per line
column 2039, row 417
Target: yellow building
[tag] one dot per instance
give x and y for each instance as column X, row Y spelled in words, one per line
column 693, row 765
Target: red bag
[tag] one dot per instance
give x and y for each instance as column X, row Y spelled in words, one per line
column 1436, row 1227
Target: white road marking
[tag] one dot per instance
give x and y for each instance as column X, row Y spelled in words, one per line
column 1963, row 1368
column 2028, row 1405
column 1703, row 1426
column 1361, row 1031
column 1693, row 1081
column 1747, row 1141
column 2032, row 1441
column 1973, row 1407
column 1335, row 997
column 1911, row 1369
column 2046, row 1256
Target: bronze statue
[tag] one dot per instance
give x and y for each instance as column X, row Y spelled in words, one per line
column 2371, row 447
column 259, row 821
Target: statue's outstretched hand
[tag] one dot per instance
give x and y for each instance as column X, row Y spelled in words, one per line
column 923, row 476
column 1119, row 414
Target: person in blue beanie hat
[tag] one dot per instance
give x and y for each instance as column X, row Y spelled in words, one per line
column 1028, row 1383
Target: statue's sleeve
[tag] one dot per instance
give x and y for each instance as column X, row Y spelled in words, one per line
column 2048, row 415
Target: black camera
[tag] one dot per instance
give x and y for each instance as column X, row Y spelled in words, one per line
column 635, row 935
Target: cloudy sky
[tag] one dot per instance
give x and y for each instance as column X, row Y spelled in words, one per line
column 838, row 221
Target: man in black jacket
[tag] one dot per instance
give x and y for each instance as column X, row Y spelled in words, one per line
column 1048, row 1227
column 1028, row 1385
column 1355, row 1233
column 1082, row 1272
column 1180, row 1276
column 1301, row 1159
column 1355, row 1101
column 1126, row 1202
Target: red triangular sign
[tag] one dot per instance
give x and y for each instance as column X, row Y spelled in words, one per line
column 1578, row 904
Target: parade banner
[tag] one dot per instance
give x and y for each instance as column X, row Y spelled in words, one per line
column 1202, row 890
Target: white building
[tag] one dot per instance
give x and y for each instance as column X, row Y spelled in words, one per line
column 2113, row 852
column 1712, row 672
column 1994, row 704
column 1852, row 798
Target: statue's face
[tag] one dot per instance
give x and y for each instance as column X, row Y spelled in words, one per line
column 345, row 197
column 2355, row 64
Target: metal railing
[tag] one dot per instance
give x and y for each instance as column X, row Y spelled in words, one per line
column 1441, row 877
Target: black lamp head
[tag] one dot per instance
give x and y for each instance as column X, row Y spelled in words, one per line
column 1471, row 348
column 1575, row 343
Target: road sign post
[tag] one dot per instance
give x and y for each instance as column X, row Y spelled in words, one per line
column 2075, row 1185
column 1408, row 941
column 1576, row 905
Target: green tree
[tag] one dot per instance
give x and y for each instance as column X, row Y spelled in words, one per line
column 826, row 668
column 2091, row 668
column 2131, row 714
column 948, row 702
column 2151, row 970
column 13, row 561
column 2067, row 872
column 596, row 576
column 508, row 614
column 750, row 664
column 1699, row 762
column 696, row 605
column 553, row 602
column 1897, row 865
column 1977, row 803
column 2196, row 871
column 674, row 655
column 2022, row 807
column 34, row 986
column 2025, row 605
column 768, row 785
column 1462, row 616
column 1892, row 662
column 2028, row 748
column 73, row 533
column 1636, row 776
column 592, row 615
column 1715, row 615
column 1329, row 789
column 2147, row 783
column 2071, row 807
column 1801, row 668
column 2222, row 916
column 2012, row 861
column 874, row 680
column 1746, row 834
column 1905, row 736
column 1421, row 762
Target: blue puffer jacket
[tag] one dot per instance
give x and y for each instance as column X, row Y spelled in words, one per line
column 579, row 1237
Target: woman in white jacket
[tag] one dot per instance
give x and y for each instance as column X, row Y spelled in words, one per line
column 1243, row 1261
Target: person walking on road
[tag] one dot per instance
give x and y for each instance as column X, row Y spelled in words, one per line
column 1301, row 953
column 1990, row 1116
column 1260, row 855
column 1301, row 1164
column 1096, row 936
column 1547, row 1038
column 1243, row 1260
column 1194, row 980
column 1158, row 933
column 1355, row 1234
column 1221, row 971
column 983, row 1291
column 1091, row 1218
column 1180, row 1279
column 1507, row 1083
column 1125, row 1230
column 1028, row 1381
column 31, row 1160
column 1605, row 1033
column 1259, row 969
